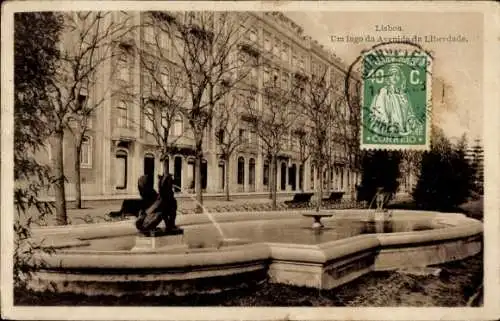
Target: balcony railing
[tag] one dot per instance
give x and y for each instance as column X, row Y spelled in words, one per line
column 124, row 133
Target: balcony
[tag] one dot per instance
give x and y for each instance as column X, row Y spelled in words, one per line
column 250, row 48
column 126, row 134
column 300, row 74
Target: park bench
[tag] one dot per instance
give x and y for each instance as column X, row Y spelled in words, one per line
column 300, row 200
column 335, row 197
column 129, row 207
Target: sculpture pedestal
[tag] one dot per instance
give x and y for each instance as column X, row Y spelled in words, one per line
column 317, row 219
column 158, row 239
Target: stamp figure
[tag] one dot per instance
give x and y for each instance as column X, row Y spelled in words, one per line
column 396, row 92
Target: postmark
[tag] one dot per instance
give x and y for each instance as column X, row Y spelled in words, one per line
column 395, row 97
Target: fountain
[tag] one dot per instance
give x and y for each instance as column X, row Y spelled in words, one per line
column 317, row 216
column 247, row 247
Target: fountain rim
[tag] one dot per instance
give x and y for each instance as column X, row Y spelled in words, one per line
column 459, row 226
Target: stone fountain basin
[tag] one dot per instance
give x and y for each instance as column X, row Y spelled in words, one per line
column 237, row 262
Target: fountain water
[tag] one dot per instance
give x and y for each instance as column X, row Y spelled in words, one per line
column 205, row 211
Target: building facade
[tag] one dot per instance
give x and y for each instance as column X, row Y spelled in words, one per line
column 120, row 146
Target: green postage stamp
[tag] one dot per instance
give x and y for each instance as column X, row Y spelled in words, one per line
column 396, row 100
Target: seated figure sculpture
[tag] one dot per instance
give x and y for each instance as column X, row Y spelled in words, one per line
column 163, row 207
column 132, row 207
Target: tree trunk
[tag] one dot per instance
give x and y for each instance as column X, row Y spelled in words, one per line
column 60, row 195
column 303, row 176
column 78, row 182
column 328, row 178
column 270, row 178
column 273, row 182
column 226, row 177
column 197, row 179
column 166, row 170
column 319, row 187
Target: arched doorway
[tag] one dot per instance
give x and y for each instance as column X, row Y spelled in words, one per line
column 121, row 169
column 190, row 173
column 222, row 174
column 204, row 174
column 241, row 174
column 341, row 179
column 312, row 176
column 149, row 164
column 251, row 174
column 292, row 177
column 177, row 173
column 301, row 177
column 265, row 174
column 283, row 176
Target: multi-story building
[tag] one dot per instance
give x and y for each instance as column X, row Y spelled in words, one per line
column 120, row 145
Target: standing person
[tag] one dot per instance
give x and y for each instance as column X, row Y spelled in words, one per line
column 391, row 105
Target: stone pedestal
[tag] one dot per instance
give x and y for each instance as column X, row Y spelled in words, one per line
column 317, row 219
column 158, row 239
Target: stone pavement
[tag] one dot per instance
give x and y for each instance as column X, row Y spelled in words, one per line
column 96, row 211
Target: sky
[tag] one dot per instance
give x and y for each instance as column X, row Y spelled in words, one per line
column 458, row 64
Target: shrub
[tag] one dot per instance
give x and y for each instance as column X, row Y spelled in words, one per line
column 380, row 169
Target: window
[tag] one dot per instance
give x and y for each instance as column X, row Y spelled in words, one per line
column 254, row 74
column 149, row 119
column 48, row 150
column 252, row 137
column 276, row 48
column 82, row 99
column 294, row 61
column 265, row 175
column 284, row 81
column 177, row 127
column 149, row 35
column 86, row 153
column 241, row 135
column 302, row 65
column 164, row 80
column 121, row 169
column 190, row 17
column 267, row 43
column 122, row 115
column 284, row 53
column 275, row 78
column 164, row 118
column 253, row 35
column 241, row 170
column 124, row 73
column 267, row 75
column 220, row 136
column 164, row 39
column 178, row 46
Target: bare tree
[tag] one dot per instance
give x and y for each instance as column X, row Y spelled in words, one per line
column 317, row 106
column 345, row 125
column 164, row 86
column 273, row 123
column 88, row 41
column 303, row 136
column 228, row 123
column 209, row 49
